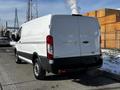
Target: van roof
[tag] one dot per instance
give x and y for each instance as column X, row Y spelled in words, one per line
column 52, row 15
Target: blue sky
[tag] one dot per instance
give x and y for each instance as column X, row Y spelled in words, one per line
column 50, row 7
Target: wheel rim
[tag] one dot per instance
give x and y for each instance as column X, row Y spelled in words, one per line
column 36, row 69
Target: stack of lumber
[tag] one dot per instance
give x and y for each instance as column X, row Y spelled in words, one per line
column 109, row 20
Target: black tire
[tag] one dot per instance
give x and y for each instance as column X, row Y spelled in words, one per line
column 17, row 59
column 38, row 71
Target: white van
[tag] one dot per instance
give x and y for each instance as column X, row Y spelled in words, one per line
column 54, row 43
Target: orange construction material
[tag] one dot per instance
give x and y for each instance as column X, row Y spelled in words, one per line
column 102, row 21
column 110, row 36
column 103, row 28
column 106, row 12
column 86, row 14
column 93, row 14
column 110, row 40
column 103, row 40
column 109, row 19
column 118, row 39
column 112, row 19
column 117, row 26
column 110, row 28
column 102, row 44
column 110, row 44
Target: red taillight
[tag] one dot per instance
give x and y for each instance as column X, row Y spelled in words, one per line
column 49, row 39
column 49, row 47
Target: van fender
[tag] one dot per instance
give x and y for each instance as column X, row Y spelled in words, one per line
column 35, row 55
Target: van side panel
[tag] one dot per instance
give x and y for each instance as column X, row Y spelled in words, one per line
column 33, row 37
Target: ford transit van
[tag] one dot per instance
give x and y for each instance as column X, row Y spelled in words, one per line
column 59, row 42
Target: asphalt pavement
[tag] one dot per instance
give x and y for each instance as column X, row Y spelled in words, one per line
column 20, row 77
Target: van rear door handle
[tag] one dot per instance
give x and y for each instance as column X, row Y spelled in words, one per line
column 85, row 42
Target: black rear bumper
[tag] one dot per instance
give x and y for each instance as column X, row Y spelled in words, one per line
column 85, row 62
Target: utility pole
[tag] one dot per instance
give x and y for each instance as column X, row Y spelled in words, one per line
column 6, row 25
column 36, row 9
column 29, row 11
column 16, row 22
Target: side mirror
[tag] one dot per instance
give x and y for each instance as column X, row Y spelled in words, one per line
column 15, row 37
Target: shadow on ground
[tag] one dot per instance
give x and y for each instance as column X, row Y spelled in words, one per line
column 83, row 78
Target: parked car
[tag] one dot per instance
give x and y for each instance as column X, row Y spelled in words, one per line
column 54, row 43
column 4, row 41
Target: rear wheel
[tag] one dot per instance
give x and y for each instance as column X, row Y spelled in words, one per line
column 17, row 59
column 38, row 71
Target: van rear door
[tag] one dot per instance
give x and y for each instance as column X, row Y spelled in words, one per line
column 89, row 36
column 75, row 36
column 65, row 32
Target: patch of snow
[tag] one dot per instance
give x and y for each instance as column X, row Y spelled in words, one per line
column 111, row 65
